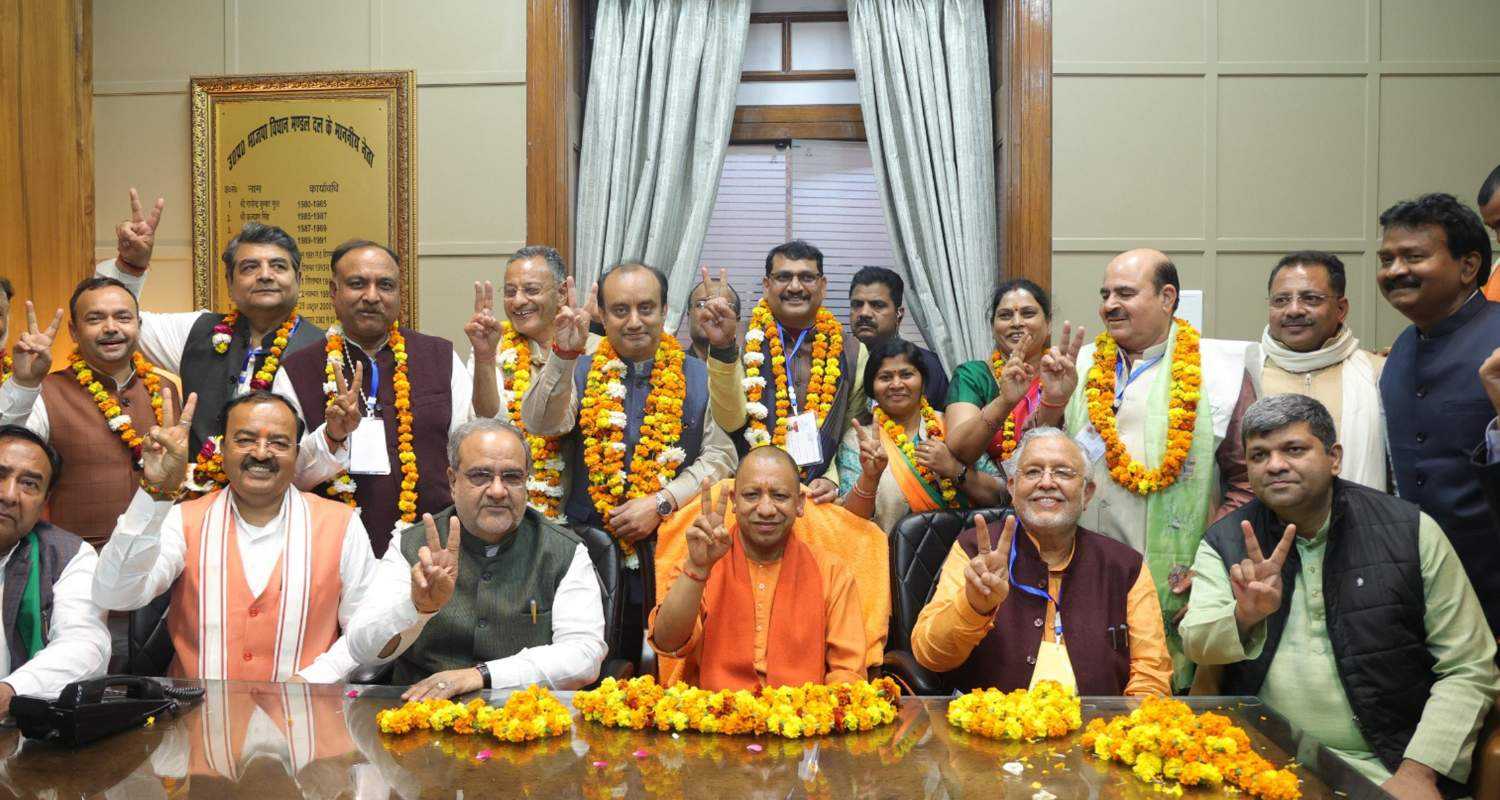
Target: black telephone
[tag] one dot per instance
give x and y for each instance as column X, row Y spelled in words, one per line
column 92, row 709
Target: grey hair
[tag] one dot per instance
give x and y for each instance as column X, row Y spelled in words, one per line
column 485, row 425
column 1045, row 432
column 1274, row 412
column 550, row 255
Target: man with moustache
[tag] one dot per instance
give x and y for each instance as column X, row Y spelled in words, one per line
column 876, row 308
column 220, row 356
column 990, row 622
column 382, row 398
column 1358, row 626
column 699, row 313
column 1160, row 479
column 504, row 600
column 262, row 576
column 1307, row 349
column 776, row 611
column 1434, row 255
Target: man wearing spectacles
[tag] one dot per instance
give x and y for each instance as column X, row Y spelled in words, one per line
column 1308, row 349
column 997, row 615
column 502, row 598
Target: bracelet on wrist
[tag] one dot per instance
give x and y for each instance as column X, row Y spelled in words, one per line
column 566, row 355
column 690, row 576
column 863, row 492
column 1042, row 401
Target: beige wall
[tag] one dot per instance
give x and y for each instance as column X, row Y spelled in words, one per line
column 470, row 58
column 1228, row 132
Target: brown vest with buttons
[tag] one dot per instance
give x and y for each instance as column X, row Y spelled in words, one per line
column 99, row 474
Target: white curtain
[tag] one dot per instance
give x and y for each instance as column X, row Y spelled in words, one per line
column 923, row 68
column 656, row 126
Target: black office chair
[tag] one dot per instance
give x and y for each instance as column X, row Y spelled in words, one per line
column 150, row 649
column 919, row 546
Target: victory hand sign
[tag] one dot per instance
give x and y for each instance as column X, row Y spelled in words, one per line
column 1256, row 581
column 987, row 578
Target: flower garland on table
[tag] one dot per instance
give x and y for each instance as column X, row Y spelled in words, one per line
column 1182, row 412
column 527, row 715
column 602, row 422
column 109, row 404
column 822, row 382
column 1164, row 741
column 224, row 334
column 545, row 485
column 1008, row 440
column 931, row 429
column 788, row 711
column 7, row 365
column 342, row 487
column 1046, row 711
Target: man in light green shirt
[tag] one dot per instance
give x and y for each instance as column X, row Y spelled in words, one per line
column 1360, row 626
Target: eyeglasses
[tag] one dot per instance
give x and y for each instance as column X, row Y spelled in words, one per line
column 480, row 478
column 785, row 279
column 1060, row 474
column 1309, row 299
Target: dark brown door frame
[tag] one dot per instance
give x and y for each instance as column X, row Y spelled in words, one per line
column 1024, row 137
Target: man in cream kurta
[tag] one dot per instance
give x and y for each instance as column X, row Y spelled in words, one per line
column 1307, row 349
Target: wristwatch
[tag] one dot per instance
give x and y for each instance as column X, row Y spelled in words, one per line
column 663, row 504
column 484, row 673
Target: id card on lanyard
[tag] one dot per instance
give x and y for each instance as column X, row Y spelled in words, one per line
column 368, row 454
column 1052, row 663
column 802, row 428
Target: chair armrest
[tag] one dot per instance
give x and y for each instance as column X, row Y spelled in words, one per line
column 903, row 667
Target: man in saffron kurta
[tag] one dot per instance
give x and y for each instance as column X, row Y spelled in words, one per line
column 262, row 576
column 749, row 619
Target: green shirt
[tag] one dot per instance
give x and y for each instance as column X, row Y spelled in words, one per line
column 973, row 383
column 1303, row 684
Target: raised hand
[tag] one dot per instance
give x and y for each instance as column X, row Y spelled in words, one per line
column 872, row 457
column 1017, row 376
column 1059, row 369
column 987, row 577
column 483, row 329
column 137, row 235
column 1489, row 378
column 164, row 453
column 722, row 324
column 436, row 571
column 571, row 326
column 708, row 537
column 33, row 351
column 1256, row 581
column 343, row 412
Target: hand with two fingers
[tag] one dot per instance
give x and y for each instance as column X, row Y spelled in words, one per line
column 436, row 571
column 1059, row 367
column 987, row 576
column 872, row 457
column 136, row 237
column 722, row 324
column 571, row 325
column 1017, row 375
column 483, row 329
column 1256, row 580
column 164, row 453
column 343, row 412
column 32, row 354
column 708, row 537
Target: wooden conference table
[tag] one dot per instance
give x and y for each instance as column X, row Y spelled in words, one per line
column 270, row 741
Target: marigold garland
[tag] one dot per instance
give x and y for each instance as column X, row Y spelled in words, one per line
column 788, row 711
column 1163, row 741
column 7, row 365
column 206, row 473
column 109, row 403
column 1046, row 711
column 544, row 488
column 1182, row 412
column 931, row 429
column 342, row 487
column 601, row 418
column 822, row 382
column 531, row 714
column 1008, row 439
column 224, row 334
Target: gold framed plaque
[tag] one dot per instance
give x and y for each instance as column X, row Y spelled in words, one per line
column 327, row 157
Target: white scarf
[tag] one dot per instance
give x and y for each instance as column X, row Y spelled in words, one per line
column 217, row 537
column 1362, row 420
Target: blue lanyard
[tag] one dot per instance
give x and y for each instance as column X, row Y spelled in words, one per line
column 1057, row 622
column 371, row 398
column 1120, row 385
column 246, row 373
column 789, row 355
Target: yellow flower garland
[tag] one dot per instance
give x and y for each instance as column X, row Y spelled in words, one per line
column 527, row 715
column 7, row 365
column 1164, row 742
column 789, row 711
column 268, row 368
column 1008, row 439
column 601, row 419
column 109, row 404
column 1046, row 711
column 1182, row 412
column 822, row 382
column 342, row 487
column 931, row 429
column 545, row 487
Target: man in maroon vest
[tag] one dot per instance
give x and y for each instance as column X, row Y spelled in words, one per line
column 381, row 437
column 997, row 616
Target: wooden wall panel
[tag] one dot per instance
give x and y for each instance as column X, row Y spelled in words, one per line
column 555, row 68
column 1025, row 53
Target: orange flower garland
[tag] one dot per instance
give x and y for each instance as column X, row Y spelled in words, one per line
column 109, row 404
column 7, row 365
column 1008, row 439
column 601, row 418
column 931, row 429
column 1163, row 741
column 342, row 487
column 545, row 486
column 822, row 382
column 527, row 715
column 267, row 372
column 1182, row 412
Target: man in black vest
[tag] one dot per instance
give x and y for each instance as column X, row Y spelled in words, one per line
column 503, row 599
column 54, row 634
column 220, row 356
column 1359, row 626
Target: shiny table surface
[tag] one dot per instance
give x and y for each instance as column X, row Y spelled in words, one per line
column 269, row 741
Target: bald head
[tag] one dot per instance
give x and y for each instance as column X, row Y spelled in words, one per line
column 1138, row 298
column 770, row 458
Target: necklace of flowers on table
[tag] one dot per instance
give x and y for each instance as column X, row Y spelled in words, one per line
column 224, row 334
column 602, row 421
column 822, row 382
column 931, row 429
column 342, row 487
column 544, row 487
column 109, row 403
column 7, row 365
column 528, row 714
column 1045, row 711
column 1182, row 412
